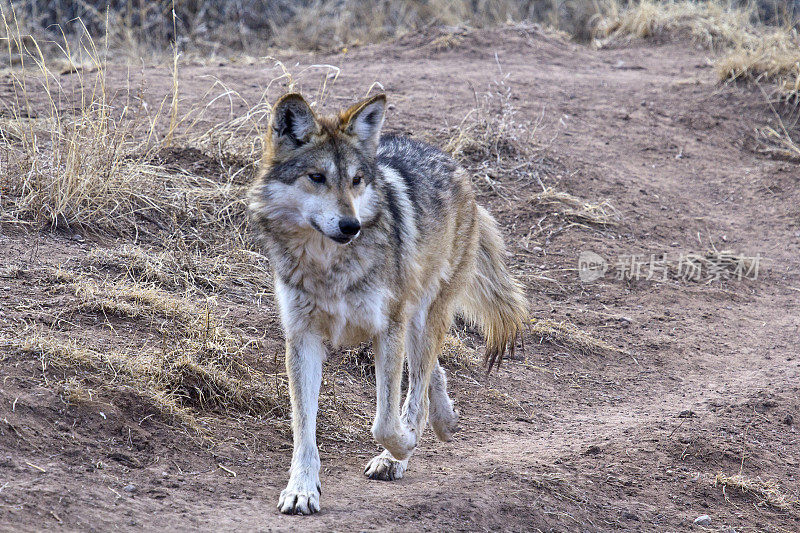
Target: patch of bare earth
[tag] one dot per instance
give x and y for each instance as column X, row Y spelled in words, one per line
column 692, row 384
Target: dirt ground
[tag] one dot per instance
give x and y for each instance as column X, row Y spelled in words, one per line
column 706, row 379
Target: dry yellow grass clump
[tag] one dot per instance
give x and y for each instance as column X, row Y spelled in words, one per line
column 577, row 210
column 185, row 269
column 198, row 365
column 177, row 384
column 767, row 492
column 752, row 50
column 70, row 155
column 76, row 154
column 776, row 56
column 710, row 24
column 569, row 336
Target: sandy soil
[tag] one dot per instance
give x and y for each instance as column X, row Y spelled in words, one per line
column 707, row 382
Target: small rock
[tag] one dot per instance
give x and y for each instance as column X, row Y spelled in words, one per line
column 687, row 413
column 703, row 520
column 592, row 450
column 77, row 237
column 788, row 420
column 132, row 488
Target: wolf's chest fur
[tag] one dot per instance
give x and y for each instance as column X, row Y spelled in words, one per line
column 338, row 290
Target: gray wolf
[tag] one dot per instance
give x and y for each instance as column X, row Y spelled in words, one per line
column 374, row 238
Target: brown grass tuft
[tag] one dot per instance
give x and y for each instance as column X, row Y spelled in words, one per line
column 713, row 25
column 577, row 210
column 184, row 269
column 774, row 56
column 201, row 370
column 570, row 337
column 753, row 51
column 493, row 143
column 777, row 143
column 766, row 492
column 457, row 355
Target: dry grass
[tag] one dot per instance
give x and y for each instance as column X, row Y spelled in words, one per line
column 175, row 356
column 128, row 300
column 75, row 155
column 457, row 355
column 577, row 210
column 323, row 24
column 492, row 132
column 711, row 24
column 568, row 336
column 198, row 364
column 766, row 492
column 178, row 384
column 184, row 269
column 493, row 142
column 770, row 56
column 219, row 27
column 84, row 166
column 753, row 51
column 777, row 143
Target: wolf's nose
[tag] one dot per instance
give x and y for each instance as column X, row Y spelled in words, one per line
column 349, row 225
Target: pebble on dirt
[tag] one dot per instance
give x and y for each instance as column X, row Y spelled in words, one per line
column 703, row 520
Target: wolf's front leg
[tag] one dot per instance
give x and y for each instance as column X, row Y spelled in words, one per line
column 389, row 430
column 304, row 355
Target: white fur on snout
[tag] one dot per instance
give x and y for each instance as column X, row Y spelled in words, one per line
column 328, row 223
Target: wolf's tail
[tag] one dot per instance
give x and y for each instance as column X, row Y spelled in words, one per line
column 493, row 299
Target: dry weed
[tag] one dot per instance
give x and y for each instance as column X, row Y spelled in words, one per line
column 766, row 492
column 753, row 51
column 570, row 337
column 577, row 210
column 79, row 167
column 775, row 56
column 214, row 28
column 493, row 143
column 777, row 143
column 457, row 355
column 710, row 24
column 184, row 269
column 198, row 368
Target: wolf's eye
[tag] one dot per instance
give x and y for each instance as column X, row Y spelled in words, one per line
column 356, row 179
column 316, row 177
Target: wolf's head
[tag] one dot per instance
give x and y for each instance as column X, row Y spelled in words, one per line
column 317, row 173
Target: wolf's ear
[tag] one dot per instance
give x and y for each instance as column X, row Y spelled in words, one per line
column 293, row 122
column 364, row 120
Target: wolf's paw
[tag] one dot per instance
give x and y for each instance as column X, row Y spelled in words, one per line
column 300, row 497
column 385, row 468
column 444, row 425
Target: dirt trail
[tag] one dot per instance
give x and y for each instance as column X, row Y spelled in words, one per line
column 709, row 381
